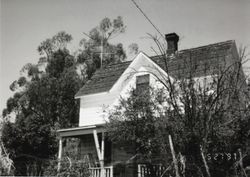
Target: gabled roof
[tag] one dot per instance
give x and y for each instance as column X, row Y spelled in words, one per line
column 200, row 58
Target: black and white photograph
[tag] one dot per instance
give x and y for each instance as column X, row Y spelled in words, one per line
column 125, row 88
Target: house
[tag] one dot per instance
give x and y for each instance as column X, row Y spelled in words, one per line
column 108, row 84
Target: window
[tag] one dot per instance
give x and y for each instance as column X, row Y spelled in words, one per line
column 142, row 84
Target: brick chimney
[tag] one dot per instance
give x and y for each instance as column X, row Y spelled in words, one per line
column 172, row 40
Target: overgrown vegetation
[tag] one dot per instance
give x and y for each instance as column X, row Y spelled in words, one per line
column 208, row 120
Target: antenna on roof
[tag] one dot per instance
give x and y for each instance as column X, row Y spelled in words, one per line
column 101, row 46
column 101, row 54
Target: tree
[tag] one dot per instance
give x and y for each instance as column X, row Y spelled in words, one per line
column 133, row 48
column 43, row 99
column 59, row 41
column 205, row 118
column 45, row 105
column 138, row 121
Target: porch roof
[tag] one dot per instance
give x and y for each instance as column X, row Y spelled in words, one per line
column 83, row 130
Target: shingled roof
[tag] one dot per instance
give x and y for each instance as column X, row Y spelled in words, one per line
column 197, row 61
column 103, row 79
column 203, row 59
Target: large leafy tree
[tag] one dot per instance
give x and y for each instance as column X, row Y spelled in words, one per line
column 43, row 99
column 44, row 105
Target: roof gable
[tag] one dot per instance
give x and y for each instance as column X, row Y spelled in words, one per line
column 140, row 65
column 206, row 56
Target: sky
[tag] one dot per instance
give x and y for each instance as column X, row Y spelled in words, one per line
column 26, row 23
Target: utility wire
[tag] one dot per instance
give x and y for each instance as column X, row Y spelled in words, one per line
column 138, row 7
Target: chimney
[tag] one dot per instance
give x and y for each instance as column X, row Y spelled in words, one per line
column 172, row 40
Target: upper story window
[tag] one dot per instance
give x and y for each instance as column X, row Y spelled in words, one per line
column 142, row 84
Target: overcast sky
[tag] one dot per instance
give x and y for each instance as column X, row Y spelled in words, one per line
column 25, row 23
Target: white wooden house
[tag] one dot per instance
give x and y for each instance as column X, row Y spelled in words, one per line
column 114, row 81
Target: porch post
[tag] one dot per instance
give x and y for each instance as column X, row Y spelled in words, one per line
column 102, row 157
column 59, row 154
column 100, row 152
column 173, row 156
column 97, row 145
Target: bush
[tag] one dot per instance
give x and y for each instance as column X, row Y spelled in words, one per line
column 69, row 167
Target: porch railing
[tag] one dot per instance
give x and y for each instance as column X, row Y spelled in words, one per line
column 144, row 171
column 96, row 171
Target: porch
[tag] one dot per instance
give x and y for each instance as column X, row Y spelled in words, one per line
column 89, row 149
column 104, row 159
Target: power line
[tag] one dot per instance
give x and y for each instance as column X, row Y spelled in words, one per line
column 138, row 7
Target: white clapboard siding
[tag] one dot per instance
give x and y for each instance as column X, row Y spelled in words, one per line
column 91, row 116
column 93, row 107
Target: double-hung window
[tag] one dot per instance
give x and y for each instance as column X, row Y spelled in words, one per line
column 142, row 84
